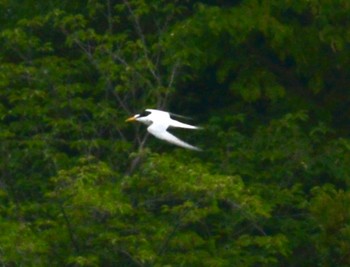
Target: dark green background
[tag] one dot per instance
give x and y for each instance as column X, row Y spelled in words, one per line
column 269, row 82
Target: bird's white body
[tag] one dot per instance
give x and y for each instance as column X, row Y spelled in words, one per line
column 158, row 122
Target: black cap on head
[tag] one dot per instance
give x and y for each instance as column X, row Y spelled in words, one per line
column 144, row 113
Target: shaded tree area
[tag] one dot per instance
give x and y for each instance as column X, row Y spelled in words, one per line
column 268, row 81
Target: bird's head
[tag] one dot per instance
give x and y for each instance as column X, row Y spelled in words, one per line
column 142, row 117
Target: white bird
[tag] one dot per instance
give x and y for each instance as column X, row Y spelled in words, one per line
column 159, row 121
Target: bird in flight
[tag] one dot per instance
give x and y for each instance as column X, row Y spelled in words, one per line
column 159, row 121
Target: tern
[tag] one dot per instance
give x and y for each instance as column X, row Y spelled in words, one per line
column 159, row 121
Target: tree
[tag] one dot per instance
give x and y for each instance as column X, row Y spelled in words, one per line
column 267, row 80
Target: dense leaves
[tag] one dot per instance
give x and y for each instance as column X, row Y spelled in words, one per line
column 268, row 81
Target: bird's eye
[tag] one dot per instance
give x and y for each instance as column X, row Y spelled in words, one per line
column 145, row 113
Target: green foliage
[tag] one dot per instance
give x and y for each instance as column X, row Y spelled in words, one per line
column 330, row 209
column 20, row 245
column 204, row 214
column 268, row 80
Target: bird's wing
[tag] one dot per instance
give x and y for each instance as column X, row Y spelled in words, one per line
column 175, row 123
column 174, row 115
column 160, row 132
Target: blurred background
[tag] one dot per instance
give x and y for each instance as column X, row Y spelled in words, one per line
column 269, row 82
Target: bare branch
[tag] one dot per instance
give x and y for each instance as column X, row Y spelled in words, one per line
column 135, row 261
column 109, row 17
column 137, row 160
column 170, row 84
column 247, row 215
column 117, row 57
column 139, row 31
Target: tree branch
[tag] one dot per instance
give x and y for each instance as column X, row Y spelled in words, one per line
column 139, row 31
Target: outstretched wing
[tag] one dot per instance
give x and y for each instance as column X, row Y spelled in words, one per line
column 160, row 132
column 175, row 123
column 174, row 115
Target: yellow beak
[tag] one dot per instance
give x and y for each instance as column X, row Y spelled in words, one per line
column 130, row 119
